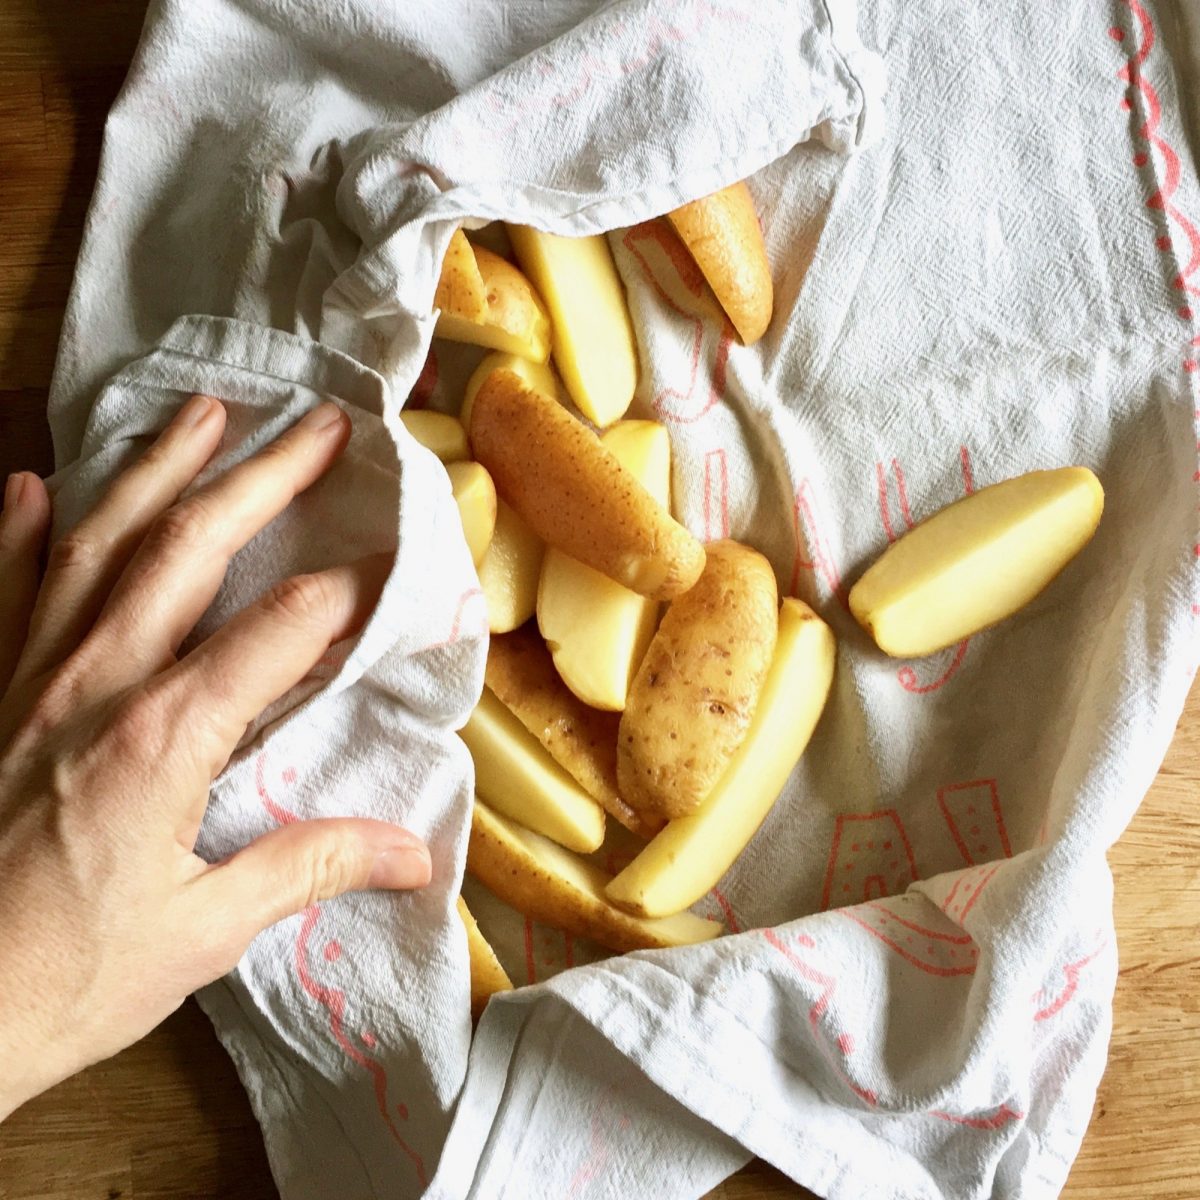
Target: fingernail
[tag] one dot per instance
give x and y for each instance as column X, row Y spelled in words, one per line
column 325, row 417
column 193, row 412
column 402, row 867
column 13, row 490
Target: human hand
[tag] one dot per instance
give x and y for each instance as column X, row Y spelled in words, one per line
column 108, row 744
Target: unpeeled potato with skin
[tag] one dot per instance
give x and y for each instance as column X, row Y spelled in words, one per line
column 724, row 237
column 460, row 288
column 697, row 689
column 574, row 494
column 582, row 740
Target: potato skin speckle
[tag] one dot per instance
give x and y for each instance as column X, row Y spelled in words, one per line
column 574, row 494
column 695, row 693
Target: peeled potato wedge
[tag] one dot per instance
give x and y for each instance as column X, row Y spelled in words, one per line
column 596, row 629
column 698, row 687
column 977, row 561
column 460, row 288
column 594, row 346
column 517, row 777
column 692, row 853
column 574, row 494
column 510, row 571
column 557, row 888
column 724, row 237
column 487, row 975
column 580, row 739
column 515, row 320
column 475, row 495
column 539, row 377
column 442, row 434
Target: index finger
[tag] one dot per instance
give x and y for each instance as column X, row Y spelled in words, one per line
column 265, row 650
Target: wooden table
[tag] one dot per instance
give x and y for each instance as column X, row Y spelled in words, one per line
column 167, row 1119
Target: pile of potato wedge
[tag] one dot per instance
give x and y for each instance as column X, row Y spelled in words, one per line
column 635, row 675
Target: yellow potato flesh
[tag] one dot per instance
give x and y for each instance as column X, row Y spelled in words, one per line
column 442, row 434
column 487, row 975
column 515, row 321
column 475, row 495
column 519, row 779
column 594, row 347
column 558, row 888
column 978, row 561
column 596, row 629
column 538, row 376
column 510, row 571
column 682, row 862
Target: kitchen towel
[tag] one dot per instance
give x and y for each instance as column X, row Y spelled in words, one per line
column 913, row 997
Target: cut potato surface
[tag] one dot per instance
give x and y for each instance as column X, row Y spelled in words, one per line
column 442, row 434
column 515, row 775
column 594, row 347
column 461, row 290
column 487, row 975
column 515, row 321
column 724, row 237
column 580, row 739
column 597, row 630
column 560, row 889
column 574, row 494
column 692, row 853
column 977, row 561
column 510, row 571
column 475, row 495
column 697, row 689
column 538, row 377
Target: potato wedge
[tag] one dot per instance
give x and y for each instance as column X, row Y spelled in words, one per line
column 574, row 494
column 442, row 434
column 597, row 630
column 461, row 290
column 724, row 237
column 538, row 376
column 692, row 853
column 696, row 691
column 560, row 889
column 977, row 561
column 580, row 739
column 517, row 777
column 487, row 975
column 594, row 347
column 510, row 571
column 515, row 321
column 475, row 495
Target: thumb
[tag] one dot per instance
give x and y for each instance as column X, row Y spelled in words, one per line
column 299, row 864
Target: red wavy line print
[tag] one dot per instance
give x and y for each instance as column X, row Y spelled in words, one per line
column 828, row 986
column 967, row 968
column 1132, row 74
column 970, row 904
column 907, row 675
column 909, row 681
column 957, row 939
column 716, row 495
column 1071, row 973
column 727, row 911
column 456, row 631
column 997, row 1120
column 806, row 527
column 683, row 411
column 333, row 1000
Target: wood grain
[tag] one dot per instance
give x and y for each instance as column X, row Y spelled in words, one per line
column 166, row 1119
